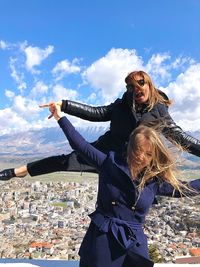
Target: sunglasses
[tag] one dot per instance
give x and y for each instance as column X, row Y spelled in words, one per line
column 141, row 82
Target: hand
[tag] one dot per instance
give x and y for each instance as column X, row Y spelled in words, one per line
column 51, row 106
column 54, row 108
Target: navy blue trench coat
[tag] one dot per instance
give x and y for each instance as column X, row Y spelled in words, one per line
column 115, row 236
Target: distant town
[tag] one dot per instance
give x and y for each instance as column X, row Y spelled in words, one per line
column 49, row 219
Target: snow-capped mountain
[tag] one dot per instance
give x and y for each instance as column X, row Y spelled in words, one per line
column 40, row 143
column 36, row 144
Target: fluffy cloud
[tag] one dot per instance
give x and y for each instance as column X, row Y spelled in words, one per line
column 17, row 75
column 161, row 67
column 13, row 121
column 65, row 67
column 39, row 89
column 107, row 74
column 9, row 94
column 185, row 93
column 35, row 55
column 24, row 105
column 60, row 92
column 158, row 67
column 100, row 83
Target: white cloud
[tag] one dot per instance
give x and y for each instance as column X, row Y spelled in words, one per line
column 60, row 92
column 65, row 67
column 3, row 45
column 92, row 97
column 161, row 66
column 18, row 77
column 39, row 89
column 107, row 74
column 156, row 66
column 16, row 121
column 35, row 55
column 185, row 93
column 181, row 61
column 9, row 94
column 105, row 79
column 22, row 115
column 12, row 120
column 25, row 107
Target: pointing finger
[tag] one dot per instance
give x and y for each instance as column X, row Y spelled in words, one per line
column 44, row 105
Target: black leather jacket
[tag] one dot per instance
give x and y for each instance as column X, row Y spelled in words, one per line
column 124, row 119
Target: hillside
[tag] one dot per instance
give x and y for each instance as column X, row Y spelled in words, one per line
column 30, row 145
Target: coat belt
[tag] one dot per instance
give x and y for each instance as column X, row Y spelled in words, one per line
column 124, row 232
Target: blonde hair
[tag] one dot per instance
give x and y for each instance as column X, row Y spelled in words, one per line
column 163, row 163
column 154, row 95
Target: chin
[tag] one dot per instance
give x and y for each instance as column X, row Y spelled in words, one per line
column 141, row 102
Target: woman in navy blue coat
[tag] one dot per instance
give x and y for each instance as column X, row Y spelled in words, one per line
column 127, row 188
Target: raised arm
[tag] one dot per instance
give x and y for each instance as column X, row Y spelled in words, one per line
column 86, row 112
column 166, row 189
column 76, row 141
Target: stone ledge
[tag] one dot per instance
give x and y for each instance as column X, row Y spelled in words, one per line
column 48, row 263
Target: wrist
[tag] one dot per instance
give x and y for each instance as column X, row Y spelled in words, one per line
column 58, row 117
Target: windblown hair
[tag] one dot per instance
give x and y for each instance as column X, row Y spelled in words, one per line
column 162, row 165
column 154, row 95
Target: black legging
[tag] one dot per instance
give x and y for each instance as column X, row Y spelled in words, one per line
column 71, row 162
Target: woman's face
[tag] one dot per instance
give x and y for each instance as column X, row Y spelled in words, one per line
column 141, row 94
column 143, row 154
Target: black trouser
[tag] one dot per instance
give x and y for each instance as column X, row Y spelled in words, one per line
column 70, row 162
column 73, row 161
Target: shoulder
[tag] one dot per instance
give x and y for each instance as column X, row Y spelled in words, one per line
column 118, row 101
column 163, row 94
column 153, row 180
column 161, row 108
column 115, row 161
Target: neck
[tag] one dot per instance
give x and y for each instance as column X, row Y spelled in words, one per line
column 137, row 174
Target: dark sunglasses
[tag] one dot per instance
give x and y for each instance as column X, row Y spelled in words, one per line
column 141, row 82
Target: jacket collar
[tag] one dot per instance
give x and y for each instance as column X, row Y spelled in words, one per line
column 121, row 163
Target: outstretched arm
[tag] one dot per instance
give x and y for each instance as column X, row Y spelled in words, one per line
column 173, row 132
column 77, row 142
column 86, row 112
column 166, row 189
column 159, row 115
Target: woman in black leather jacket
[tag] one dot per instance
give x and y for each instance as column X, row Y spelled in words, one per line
column 142, row 103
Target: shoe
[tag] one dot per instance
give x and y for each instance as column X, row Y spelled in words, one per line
column 7, row 174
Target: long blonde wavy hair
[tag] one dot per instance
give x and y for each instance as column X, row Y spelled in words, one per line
column 154, row 95
column 163, row 163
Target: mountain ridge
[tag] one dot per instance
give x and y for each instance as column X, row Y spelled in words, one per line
column 39, row 143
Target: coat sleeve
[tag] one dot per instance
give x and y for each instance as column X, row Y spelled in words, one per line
column 174, row 133
column 160, row 116
column 166, row 189
column 86, row 112
column 92, row 155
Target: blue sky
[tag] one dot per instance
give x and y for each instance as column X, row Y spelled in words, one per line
column 83, row 50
